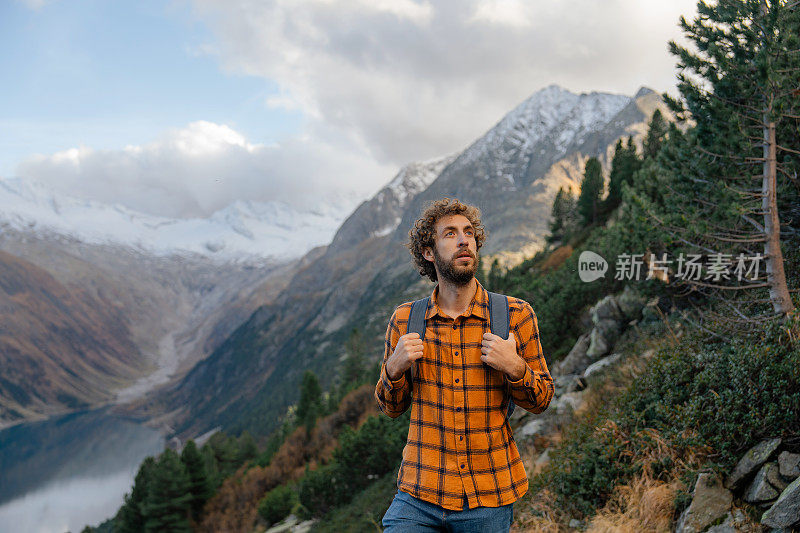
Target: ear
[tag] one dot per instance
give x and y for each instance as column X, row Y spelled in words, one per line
column 427, row 253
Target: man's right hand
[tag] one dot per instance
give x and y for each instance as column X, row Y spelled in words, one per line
column 408, row 349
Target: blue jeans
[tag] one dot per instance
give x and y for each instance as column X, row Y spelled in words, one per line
column 408, row 514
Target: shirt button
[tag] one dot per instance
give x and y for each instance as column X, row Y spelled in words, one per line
column 456, row 380
column 455, row 326
column 456, row 353
column 458, row 409
column 461, row 437
column 462, row 466
column 527, row 384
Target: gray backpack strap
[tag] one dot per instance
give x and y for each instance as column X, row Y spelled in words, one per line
column 498, row 313
column 500, row 324
column 416, row 323
column 416, row 320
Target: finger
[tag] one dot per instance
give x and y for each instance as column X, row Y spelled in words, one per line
column 412, row 335
column 485, row 349
column 414, row 356
column 489, row 336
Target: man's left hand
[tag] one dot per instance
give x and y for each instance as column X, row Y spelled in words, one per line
column 501, row 354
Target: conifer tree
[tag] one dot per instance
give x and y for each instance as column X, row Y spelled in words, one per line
column 656, row 131
column 310, row 404
column 732, row 168
column 199, row 483
column 248, row 449
column 130, row 517
column 167, row 506
column 559, row 213
column 624, row 165
column 352, row 372
column 591, row 191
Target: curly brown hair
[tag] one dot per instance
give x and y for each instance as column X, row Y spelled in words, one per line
column 423, row 233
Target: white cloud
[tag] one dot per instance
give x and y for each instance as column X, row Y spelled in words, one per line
column 194, row 171
column 413, row 80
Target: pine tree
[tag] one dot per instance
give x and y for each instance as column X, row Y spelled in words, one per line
column 740, row 88
column 495, row 276
column 656, row 131
column 591, row 191
column 353, row 369
column 559, row 215
column 248, row 449
column 624, row 165
column 130, row 517
column 199, row 483
column 310, row 404
column 168, row 500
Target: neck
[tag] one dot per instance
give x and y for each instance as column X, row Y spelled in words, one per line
column 455, row 299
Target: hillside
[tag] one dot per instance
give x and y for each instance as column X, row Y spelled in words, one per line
column 511, row 173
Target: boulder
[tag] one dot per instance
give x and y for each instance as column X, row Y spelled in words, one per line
column 569, row 403
column 785, row 512
column 601, row 339
column 576, row 360
column 710, row 502
column 761, row 490
column 751, row 461
column 534, row 427
column 602, row 363
column 607, row 309
column 733, row 523
column 631, row 303
column 789, row 464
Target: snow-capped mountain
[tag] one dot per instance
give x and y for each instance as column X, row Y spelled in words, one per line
column 240, row 231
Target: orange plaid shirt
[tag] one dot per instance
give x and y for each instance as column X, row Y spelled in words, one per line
column 460, row 444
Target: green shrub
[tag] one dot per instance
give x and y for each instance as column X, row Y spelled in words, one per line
column 277, row 504
column 696, row 395
column 362, row 457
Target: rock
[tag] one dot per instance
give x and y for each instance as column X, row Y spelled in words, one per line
column 789, row 464
column 576, row 384
column 630, row 303
column 785, row 512
column 607, row 309
column 534, row 427
column 576, row 360
column 543, row 460
column 760, row 490
column 575, row 524
column 598, row 345
column 751, row 461
column 774, row 478
column 710, row 502
column 649, row 312
column 733, row 523
column 602, row 363
column 569, row 403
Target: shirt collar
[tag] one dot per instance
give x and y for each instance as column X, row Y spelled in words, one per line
column 479, row 306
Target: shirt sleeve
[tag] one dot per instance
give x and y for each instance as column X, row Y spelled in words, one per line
column 393, row 397
column 535, row 389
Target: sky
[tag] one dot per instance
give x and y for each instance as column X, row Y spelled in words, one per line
column 180, row 107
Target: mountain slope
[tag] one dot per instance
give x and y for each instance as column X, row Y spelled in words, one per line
column 512, row 173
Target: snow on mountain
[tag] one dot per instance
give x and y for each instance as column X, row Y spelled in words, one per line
column 552, row 120
column 243, row 230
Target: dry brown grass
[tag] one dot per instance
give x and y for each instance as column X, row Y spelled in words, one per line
column 647, row 503
column 556, row 258
column 541, row 515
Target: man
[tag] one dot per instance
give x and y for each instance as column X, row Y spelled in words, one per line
column 461, row 469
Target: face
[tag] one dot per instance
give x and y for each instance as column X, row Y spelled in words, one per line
column 455, row 253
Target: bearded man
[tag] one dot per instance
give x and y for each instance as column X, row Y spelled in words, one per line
column 461, row 470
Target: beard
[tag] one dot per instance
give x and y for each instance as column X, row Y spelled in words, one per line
column 455, row 274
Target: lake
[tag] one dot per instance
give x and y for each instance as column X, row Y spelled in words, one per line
column 70, row 471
